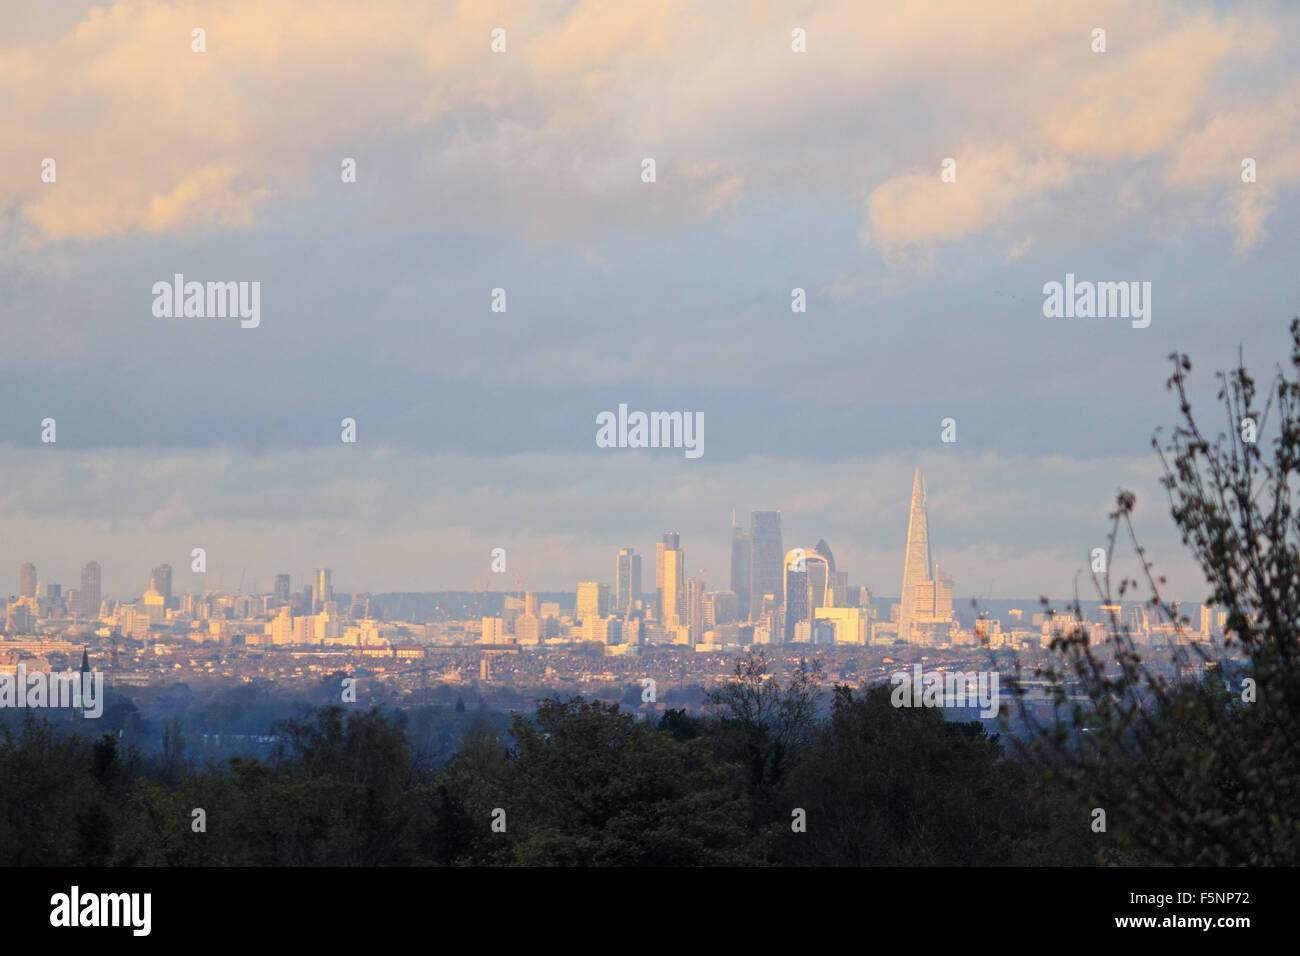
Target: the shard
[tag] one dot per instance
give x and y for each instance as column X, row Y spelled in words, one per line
column 917, row 564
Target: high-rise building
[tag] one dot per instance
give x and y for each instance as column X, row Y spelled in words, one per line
column 720, row 607
column 932, row 610
column 89, row 596
column 740, row 565
column 840, row 596
column 160, row 579
column 824, row 550
column 27, row 580
column 807, row 574
column 593, row 600
column 670, row 561
column 765, row 560
column 674, row 589
column 282, row 591
column 324, row 590
column 628, row 582
column 695, row 609
column 917, row 563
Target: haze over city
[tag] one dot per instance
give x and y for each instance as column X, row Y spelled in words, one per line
column 475, row 427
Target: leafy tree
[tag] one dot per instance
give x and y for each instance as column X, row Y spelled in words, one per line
column 1190, row 771
column 761, row 721
column 591, row 786
column 890, row 786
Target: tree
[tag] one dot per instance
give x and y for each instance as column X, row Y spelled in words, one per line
column 591, row 786
column 764, row 721
column 889, row 786
column 1197, row 770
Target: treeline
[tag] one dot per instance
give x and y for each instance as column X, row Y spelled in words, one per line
column 760, row 779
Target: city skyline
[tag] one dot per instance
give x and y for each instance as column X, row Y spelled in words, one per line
column 670, row 601
column 522, row 173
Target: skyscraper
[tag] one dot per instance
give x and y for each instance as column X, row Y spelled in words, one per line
column 628, row 582
column 695, row 609
column 27, row 580
column 89, row 595
column 765, row 559
column 917, row 564
column 160, row 579
column 807, row 574
column 281, row 590
column 324, row 590
column 593, row 600
column 668, row 586
column 674, row 593
column 740, row 565
column 824, row 550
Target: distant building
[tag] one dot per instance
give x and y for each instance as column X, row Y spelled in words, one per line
column 160, row 580
column 324, row 590
column 27, row 582
column 628, row 582
column 848, row 625
column 740, row 567
column 807, row 576
column 721, row 607
column 89, row 596
column 695, row 609
column 670, row 579
column 917, row 561
column 593, row 600
column 765, row 559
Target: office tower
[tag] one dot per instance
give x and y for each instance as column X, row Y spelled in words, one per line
column 659, row 581
column 528, row 628
column 593, row 600
column 720, row 607
column 840, row 596
column 942, row 595
column 740, row 565
column 670, row 561
column 695, row 609
column 160, row 579
column 90, row 592
column 628, row 582
column 917, row 562
column 765, row 560
column 27, row 580
column 806, row 576
column 281, row 590
column 674, row 589
column 324, row 590
column 824, row 550
column 530, row 603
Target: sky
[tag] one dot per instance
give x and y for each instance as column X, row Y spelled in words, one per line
column 522, row 170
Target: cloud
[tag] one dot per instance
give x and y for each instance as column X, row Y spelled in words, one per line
column 919, row 208
column 547, row 138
